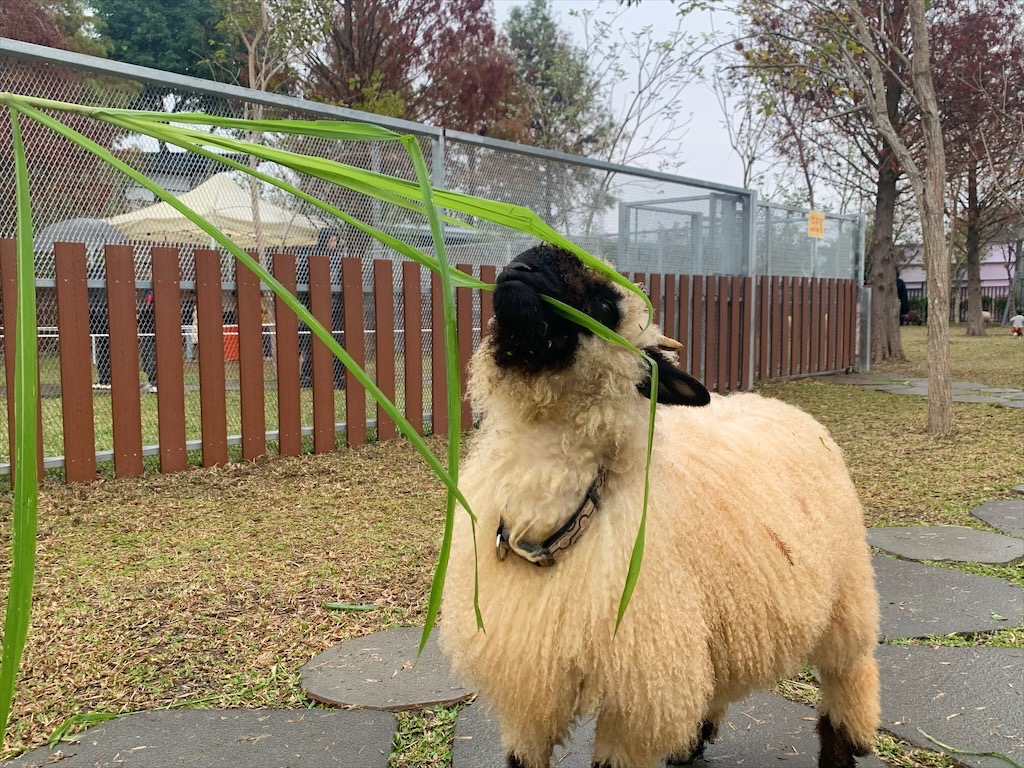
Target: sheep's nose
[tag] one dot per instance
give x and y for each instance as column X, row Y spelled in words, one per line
column 519, row 266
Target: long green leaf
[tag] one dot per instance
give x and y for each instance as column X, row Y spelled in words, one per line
column 637, row 556
column 405, row 194
column 26, row 481
column 294, row 304
column 454, row 409
column 459, row 278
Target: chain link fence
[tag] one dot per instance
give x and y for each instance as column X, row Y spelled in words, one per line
column 640, row 220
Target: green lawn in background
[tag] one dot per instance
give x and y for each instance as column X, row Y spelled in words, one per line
column 208, row 587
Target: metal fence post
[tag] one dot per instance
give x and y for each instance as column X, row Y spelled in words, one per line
column 750, row 269
column 863, row 299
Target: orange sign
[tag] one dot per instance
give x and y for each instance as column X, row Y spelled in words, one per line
column 815, row 224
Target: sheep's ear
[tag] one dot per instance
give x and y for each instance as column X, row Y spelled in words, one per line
column 675, row 386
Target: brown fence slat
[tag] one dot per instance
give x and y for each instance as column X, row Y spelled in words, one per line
column 830, row 318
column 75, row 363
column 833, row 352
column 170, row 367
column 464, row 326
column 778, row 327
column 787, row 329
column 126, row 406
column 488, row 273
column 654, row 289
column 323, row 358
column 250, row 363
column 412, row 347
column 289, row 393
column 808, row 323
column 668, row 318
column 210, row 326
column 384, row 349
column 710, row 299
column 814, row 305
column 687, row 355
column 9, row 278
column 747, row 364
column 841, row 327
column 851, row 324
column 764, row 336
column 723, row 334
column 797, row 350
column 355, row 345
column 699, row 302
column 824, row 328
column 736, row 334
column 439, row 402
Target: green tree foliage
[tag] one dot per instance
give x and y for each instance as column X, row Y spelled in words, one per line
column 173, row 35
column 438, row 61
column 567, row 105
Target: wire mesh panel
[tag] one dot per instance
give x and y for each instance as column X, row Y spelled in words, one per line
column 784, row 246
column 248, row 393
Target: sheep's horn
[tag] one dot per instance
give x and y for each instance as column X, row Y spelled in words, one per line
column 665, row 342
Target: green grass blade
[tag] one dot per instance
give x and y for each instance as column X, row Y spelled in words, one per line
column 461, row 279
column 294, row 304
column 343, row 130
column 26, row 404
column 454, row 395
column 637, row 556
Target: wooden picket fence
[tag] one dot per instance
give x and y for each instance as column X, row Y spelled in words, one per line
column 736, row 330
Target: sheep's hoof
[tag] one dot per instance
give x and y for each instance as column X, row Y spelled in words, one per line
column 837, row 749
column 513, row 762
column 708, row 732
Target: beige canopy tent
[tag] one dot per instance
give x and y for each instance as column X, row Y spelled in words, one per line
column 228, row 207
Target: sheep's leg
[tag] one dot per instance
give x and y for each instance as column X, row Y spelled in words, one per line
column 708, row 733
column 849, row 709
column 617, row 743
column 848, row 712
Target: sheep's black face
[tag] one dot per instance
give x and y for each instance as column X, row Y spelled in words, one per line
column 529, row 335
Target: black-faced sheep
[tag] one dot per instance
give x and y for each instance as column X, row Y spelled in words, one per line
column 755, row 558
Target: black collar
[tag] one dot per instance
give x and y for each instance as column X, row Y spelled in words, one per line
column 545, row 553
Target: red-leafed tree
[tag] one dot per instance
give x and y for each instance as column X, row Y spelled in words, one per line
column 437, row 61
column 66, row 181
column 980, row 44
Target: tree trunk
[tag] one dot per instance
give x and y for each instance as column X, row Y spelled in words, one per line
column 886, row 343
column 931, row 205
column 975, row 326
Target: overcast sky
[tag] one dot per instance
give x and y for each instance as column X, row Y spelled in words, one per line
column 703, row 146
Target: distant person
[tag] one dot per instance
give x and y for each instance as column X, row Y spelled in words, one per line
column 901, row 292
column 1017, row 326
column 147, row 339
column 189, row 327
column 99, row 330
column 326, row 245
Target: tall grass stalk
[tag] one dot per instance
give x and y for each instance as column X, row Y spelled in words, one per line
column 26, row 403
column 418, row 197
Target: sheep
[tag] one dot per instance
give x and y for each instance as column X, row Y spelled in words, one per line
column 755, row 558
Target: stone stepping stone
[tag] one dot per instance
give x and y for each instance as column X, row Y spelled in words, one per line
column 918, row 600
column 1019, row 489
column 947, row 542
column 762, row 730
column 1006, row 514
column 969, row 698
column 381, row 671
column 297, row 738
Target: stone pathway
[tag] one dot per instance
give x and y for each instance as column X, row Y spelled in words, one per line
column 204, row 738
column 948, row 543
column 963, row 391
column 969, row 698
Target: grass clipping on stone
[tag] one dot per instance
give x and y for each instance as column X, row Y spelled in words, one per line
column 417, row 197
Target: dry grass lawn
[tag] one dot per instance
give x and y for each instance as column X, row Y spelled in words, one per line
column 208, row 588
